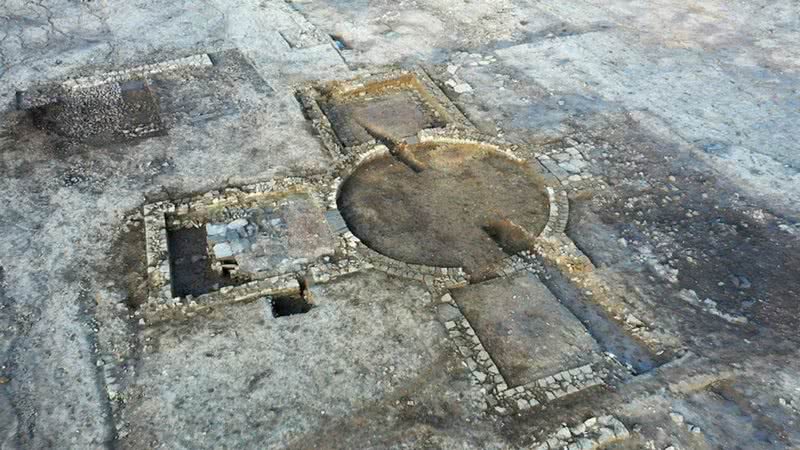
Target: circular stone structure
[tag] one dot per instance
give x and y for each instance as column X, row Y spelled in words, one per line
column 445, row 204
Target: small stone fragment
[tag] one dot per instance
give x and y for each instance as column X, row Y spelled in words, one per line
column 237, row 224
column 223, row 250
column 236, row 247
column 578, row 429
column 461, row 88
column 213, row 229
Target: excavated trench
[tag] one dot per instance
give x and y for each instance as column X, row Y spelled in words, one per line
column 444, row 204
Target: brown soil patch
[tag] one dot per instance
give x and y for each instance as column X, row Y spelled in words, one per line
column 444, row 214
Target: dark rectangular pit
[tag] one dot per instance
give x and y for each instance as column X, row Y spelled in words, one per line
column 289, row 305
column 190, row 264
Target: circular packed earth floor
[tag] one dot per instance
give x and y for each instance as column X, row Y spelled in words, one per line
column 443, row 204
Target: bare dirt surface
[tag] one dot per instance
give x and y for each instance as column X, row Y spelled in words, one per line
column 671, row 127
column 441, row 215
column 399, row 115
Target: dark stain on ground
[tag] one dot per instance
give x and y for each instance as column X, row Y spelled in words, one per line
column 127, row 264
column 24, row 141
column 190, row 264
column 606, row 331
column 724, row 247
column 439, row 216
column 736, row 404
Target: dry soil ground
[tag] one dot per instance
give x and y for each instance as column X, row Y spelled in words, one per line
column 672, row 125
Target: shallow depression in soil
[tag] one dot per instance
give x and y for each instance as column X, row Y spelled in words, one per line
column 444, row 204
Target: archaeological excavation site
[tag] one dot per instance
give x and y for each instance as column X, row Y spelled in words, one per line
column 435, row 224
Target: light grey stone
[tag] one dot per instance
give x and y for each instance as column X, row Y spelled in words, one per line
column 578, row 429
column 462, row 88
column 237, row 224
column 563, row 433
column 222, row 250
column 448, row 313
column 213, row 229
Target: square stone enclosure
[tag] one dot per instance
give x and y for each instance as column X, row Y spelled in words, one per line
column 288, row 232
column 108, row 107
column 147, row 100
column 398, row 104
column 525, row 329
column 109, row 112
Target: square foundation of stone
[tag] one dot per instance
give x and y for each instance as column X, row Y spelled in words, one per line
column 271, row 238
column 397, row 104
column 528, row 333
column 399, row 115
column 228, row 245
column 255, row 239
column 145, row 101
column 100, row 114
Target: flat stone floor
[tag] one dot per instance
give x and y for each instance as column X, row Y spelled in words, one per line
column 684, row 114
